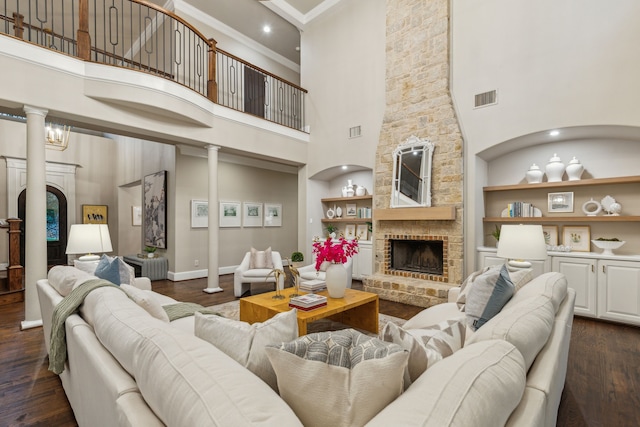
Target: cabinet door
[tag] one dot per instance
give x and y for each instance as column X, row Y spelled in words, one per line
column 365, row 260
column 619, row 291
column 581, row 276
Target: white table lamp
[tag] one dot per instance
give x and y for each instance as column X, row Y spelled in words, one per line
column 89, row 239
column 520, row 244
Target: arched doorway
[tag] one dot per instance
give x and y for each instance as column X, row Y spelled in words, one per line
column 56, row 226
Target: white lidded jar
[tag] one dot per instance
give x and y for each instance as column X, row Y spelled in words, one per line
column 554, row 169
column 574, row 169
column 534, row 174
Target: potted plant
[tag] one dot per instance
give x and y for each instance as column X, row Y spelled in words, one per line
column 331, row 230
column 496, row 234
column 297, row 258
column 150, row 250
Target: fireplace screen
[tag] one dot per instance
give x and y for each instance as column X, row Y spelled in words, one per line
column 421, row 256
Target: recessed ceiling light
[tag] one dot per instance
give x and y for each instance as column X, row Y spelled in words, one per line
column 344, row 168
column 554, row 133
column 266, row 29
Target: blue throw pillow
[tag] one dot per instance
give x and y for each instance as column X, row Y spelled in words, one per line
column 490, row 292
column 108, row 269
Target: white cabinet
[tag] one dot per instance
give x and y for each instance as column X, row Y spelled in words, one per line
column 581, row 276
column 619, row 291
column 607, row 287
column 363, row 261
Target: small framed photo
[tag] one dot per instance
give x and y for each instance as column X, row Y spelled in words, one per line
column 560, row 202
column 251, row 214
column 230, row 214
column 272, row 215
column 94, row 214
column 136, row 215
column 351, row 209
column 199, row 214
column 350, row 231
column 550, row 234
column 578, row 237
column 362, row 231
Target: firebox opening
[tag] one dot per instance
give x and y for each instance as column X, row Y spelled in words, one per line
column 421, row 256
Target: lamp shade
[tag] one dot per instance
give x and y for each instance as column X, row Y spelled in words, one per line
column 522, row 242
column 88, row 239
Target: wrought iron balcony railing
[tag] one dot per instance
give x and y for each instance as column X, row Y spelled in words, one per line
column 141, row 36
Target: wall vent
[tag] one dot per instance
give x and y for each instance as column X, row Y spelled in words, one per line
column 355, row 132
column 486, row 98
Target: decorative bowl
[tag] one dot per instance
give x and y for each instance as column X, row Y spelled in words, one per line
column 608, row 246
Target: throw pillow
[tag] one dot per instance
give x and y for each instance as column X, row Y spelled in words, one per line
column 426, row 346
column 145, row 300
column 519, row 278
column 260, row 259
column 339, row 378
column 491, row 290
column 64, row 278
column 108, row 269
column 245, row 343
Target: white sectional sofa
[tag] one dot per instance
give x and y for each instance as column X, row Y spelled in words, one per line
column 128, row 368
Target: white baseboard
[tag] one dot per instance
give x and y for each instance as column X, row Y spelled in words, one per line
column 28, row 324
column 198, row 274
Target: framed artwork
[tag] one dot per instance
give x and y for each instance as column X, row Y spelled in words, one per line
column 351, row 209
column 230, row 214
column 155, row 210
column 362, row 231
column 578, row 237
column 550, row 234
column 94, row 214
column 136, row 215
column 272, row 215
column 199, row 214
column 560, row 202
column 251, row 214
column 350, row 231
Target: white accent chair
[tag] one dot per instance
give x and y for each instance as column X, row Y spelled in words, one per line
column 243, row 276
column 308, row 272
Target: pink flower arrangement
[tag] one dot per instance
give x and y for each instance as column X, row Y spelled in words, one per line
column 337, row 253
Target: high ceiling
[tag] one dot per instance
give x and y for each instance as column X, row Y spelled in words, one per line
column 248, row 17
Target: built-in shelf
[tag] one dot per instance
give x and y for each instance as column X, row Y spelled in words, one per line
column 346, row 199
column 349, row 219
column 566, row 184
column 446, row 213
column 539, row 219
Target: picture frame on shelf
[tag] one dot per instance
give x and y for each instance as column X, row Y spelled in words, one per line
column 550, row 234
column 577, row 237
column 251, row 214
column 94, row 214
column 350, row 231
column 560, row 202
column 230, row 214
column 199, row 214
column 273, row 215
column 362, row 231
column 136, row 215
column 351, row 209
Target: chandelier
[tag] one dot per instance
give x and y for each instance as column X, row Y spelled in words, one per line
column 57, row 137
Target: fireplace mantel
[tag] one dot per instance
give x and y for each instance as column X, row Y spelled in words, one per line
column 447, row 213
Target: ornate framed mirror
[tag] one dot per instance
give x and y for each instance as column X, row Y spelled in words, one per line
column 411, row 184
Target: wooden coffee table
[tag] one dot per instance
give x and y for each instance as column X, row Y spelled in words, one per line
column 357, row 309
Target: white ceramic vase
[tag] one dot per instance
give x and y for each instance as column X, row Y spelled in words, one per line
column 555, row 169
column 534, row 174
column 574, row 169
column 336, row 279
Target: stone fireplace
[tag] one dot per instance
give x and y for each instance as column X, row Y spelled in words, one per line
column 418, row 102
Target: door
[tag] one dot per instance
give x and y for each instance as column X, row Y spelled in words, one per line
column 56, row 226
column 619, row 291
column 581, row 276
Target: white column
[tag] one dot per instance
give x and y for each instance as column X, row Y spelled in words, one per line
column 36, row 219
column 213, row 277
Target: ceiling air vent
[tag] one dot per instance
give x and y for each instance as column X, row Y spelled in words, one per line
column 486, row 98
column 355, row 132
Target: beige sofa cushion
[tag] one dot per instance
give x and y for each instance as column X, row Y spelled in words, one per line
column 146, row 300
column 434, row 315
column 478, row 386
column 64, row 278
column 552, row 285
column 245, row 343
column 340, row 378
column 527, row 325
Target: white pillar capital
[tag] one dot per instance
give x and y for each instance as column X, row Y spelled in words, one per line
column 35, row 110
column 213, row 148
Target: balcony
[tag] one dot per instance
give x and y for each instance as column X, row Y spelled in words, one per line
column 140, row 36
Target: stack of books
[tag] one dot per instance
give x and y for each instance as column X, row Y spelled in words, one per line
column 308, row 302
column 313, row 285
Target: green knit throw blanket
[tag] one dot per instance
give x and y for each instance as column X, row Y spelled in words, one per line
column 68, row 306
column 184, row 309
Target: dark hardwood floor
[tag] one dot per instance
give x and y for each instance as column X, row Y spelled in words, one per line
column 602, row 387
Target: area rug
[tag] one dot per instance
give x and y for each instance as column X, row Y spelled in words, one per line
column 231, row 310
